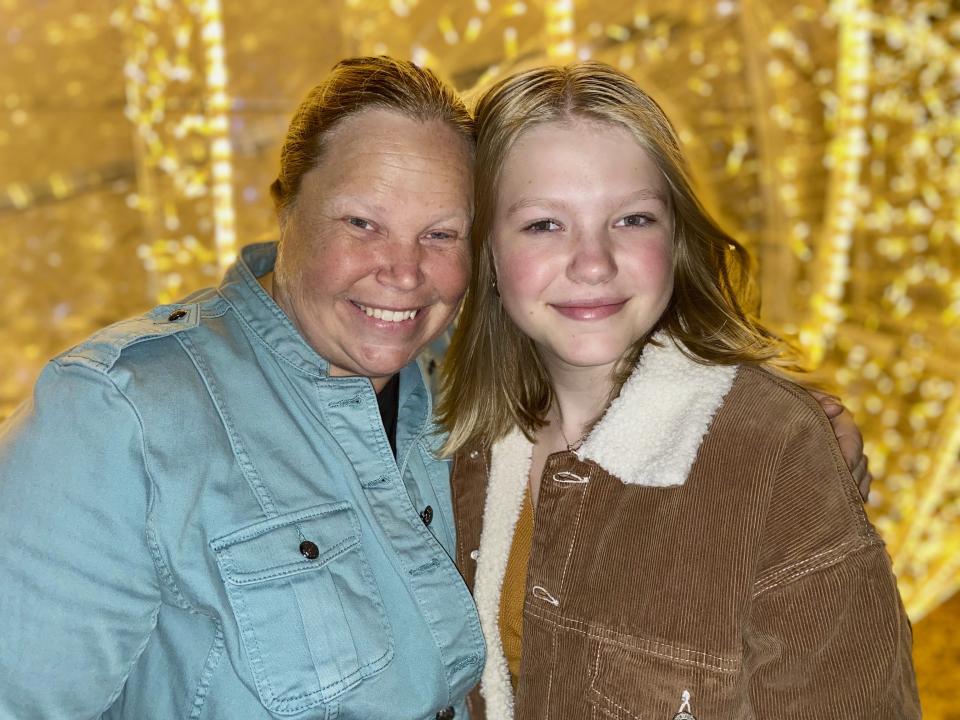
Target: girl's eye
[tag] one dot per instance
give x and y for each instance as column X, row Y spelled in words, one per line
column 636, row 220
column 360, row 223
column 541, row 226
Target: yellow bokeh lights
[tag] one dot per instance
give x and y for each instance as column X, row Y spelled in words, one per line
column 139, row 142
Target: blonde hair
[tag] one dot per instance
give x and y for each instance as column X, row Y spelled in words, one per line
column 355, row 85
column 493, row 376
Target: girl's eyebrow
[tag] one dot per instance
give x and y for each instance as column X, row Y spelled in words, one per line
column 535, row 202
column 646, row 193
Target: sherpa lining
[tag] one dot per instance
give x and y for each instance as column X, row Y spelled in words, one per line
column 648, row 436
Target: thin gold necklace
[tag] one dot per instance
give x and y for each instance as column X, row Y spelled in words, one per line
column 571, row 446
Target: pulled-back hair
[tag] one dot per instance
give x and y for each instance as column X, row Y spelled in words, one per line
column 352, row 86
column 494, row 378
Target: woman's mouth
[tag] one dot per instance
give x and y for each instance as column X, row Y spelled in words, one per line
column 386, row 314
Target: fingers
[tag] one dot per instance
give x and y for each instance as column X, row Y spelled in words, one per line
column 849, row 439
column 830, row 403
column 864, row 486
column 863, row 477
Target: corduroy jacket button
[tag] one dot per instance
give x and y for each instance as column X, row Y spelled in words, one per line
column 427, row 515
column 176, row 315
column 309, row 550
column 446, row 714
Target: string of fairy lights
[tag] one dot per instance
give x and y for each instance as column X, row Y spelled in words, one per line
column 176, row 52
column 827, row 134
column 845, row 156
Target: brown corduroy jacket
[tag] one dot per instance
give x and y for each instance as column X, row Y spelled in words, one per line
column 727, row 561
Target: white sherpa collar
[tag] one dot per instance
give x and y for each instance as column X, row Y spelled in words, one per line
column 649, row 436
column 651, row 433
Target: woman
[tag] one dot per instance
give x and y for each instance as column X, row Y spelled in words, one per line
column 231, row 507
column 668, row 528
column 201, row 512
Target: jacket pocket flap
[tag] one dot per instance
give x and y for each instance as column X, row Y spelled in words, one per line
column 274, row 548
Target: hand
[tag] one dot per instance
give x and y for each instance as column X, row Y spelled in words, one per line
column 849, row 438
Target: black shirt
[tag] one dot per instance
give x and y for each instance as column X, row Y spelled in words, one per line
column 388, row 399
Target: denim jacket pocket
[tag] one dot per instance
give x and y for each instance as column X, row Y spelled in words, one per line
column 307, row 605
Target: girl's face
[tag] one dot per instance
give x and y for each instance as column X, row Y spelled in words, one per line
column 582, row 242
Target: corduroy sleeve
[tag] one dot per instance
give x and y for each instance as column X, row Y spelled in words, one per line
column 828, row 630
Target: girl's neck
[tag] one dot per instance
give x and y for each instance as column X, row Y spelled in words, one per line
column 580, row 397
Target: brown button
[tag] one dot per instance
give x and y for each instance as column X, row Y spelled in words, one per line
column 309, row 550
column 176, row 315
column 427, row 515
column 446, row 714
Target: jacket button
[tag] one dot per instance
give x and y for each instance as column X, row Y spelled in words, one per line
column 309, row 550
column 446, row 714
column 427, row 515
column 176, row 315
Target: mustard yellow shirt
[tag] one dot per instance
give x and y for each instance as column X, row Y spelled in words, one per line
column 514, row 589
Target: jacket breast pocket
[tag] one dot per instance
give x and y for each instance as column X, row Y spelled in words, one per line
column 636, row 679
column 307, row 605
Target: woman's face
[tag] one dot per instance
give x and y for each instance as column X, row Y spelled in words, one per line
column 582, row 241
column 375, row 256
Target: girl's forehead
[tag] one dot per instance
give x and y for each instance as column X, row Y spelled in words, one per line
column 547, row 134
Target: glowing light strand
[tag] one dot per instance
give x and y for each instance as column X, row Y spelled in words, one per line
column 221, row 151
column 847, row 150
column 559, row 15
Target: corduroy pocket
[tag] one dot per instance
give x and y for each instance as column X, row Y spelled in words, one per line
column 648, row 680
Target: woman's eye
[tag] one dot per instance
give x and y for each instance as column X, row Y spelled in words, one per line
column 441, row 235
column 541, row 226
column 636, row 220
column 360, row 223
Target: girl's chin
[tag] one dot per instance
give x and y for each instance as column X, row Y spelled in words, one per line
column 590, row 359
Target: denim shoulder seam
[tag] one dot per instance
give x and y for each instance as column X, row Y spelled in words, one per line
column 164, row 575
column 151, row 494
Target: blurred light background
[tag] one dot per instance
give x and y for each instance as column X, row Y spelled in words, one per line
column 138, row 139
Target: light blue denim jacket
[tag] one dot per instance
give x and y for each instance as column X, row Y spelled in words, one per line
column 154, row 496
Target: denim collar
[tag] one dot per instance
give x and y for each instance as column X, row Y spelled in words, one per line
column 264, row 317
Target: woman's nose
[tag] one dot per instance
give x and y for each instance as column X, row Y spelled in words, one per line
column 401, row 266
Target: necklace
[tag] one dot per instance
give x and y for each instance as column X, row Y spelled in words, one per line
column 571, row 446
